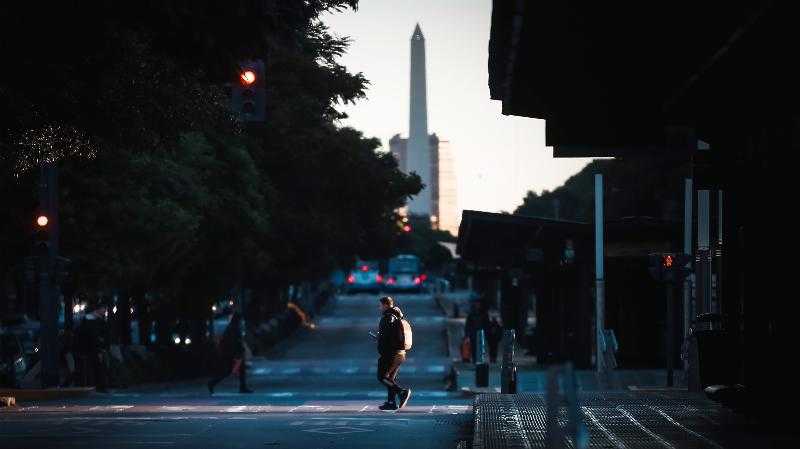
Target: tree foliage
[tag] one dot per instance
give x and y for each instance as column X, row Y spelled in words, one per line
column 632, row 187
column 162, row 188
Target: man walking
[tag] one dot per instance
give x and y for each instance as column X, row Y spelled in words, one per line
column 231, row 356
column 392, row 354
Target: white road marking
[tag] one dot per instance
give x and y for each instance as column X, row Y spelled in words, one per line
column 436, row 369
column 364, row 409
column 652, row 434
column 684, row 428
column 613, row 438
column 236, row 409
column 115, row 408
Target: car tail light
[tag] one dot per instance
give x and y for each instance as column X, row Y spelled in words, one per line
column 390, row 281
column 423, row 276
column 351, row 279
column 379, row 278
column 365, row 268
column 417, row 280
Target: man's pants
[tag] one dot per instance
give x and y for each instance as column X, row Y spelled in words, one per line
column 388, row 366
column 226, row 371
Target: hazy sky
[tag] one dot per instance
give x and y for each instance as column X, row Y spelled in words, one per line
column 499, row 158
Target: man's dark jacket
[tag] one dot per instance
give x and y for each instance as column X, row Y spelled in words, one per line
column 387, row 331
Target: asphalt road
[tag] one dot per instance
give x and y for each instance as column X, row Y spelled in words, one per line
column 316, row 390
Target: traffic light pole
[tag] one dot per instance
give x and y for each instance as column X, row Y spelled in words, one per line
column 48, row 291
column 670, row 334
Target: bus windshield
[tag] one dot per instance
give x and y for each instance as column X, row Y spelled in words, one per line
column 405, row 263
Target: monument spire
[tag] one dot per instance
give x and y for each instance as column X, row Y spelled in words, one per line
column 419, row 157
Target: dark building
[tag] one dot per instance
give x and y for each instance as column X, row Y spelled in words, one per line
column 622, row 79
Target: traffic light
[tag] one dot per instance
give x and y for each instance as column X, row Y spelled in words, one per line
column 41, row 234
column 248, row 93
column 669, row 267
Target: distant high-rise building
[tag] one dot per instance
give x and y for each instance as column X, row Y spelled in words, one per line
column 445, row 213
column 425, row 154
column 448, row 214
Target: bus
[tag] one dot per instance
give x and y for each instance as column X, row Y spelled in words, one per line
column 404, row 273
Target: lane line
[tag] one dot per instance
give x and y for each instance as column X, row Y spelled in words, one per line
column 652, row 434
column 686, row 429
column 613, row 438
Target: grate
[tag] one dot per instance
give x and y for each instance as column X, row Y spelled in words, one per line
column 613, row 420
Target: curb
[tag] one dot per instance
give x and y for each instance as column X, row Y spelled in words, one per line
column 43, row 394
column 475, row 391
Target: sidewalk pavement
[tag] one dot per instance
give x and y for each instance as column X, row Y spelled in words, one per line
column 632, row 419
column 42, row 394
column 535, row 380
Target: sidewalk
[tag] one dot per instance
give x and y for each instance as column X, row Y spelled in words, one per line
column 531, row 379
column 633, row 419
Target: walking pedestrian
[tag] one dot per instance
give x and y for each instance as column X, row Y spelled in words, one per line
column 92, row 344
column 231, row 356
column 392, row 354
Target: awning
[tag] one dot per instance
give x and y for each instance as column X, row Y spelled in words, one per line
column 609, row 77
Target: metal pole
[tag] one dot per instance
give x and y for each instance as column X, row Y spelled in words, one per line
column 718, row 252
column 600, row 300
column 687, row 249
column 508, row 371
column 670, row 334
column 48, row 292
column 703, row 275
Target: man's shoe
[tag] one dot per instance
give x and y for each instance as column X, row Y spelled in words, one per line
column 388, row 406
column 245, row 390
column 405, row 395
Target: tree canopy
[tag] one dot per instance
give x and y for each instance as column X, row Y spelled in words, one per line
column 162, row 187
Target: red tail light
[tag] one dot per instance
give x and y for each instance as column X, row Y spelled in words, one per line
column 365, row 268
column 351, row 279
column 423, row 276
column 390, row 281
column 417, row 281
column 379, row 278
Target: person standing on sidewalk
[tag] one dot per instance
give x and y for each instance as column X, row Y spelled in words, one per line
column 477, row 319
column 392, row 354
column 231, row 356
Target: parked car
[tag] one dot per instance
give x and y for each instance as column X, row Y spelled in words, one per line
column 405, row 274
column 12, row 360
column 25, row 329
column 365, row 276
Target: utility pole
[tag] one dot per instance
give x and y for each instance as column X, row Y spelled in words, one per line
column 687, row 250
column 599, row 272
column 703, row 272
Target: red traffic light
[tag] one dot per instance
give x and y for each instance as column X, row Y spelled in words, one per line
column 42, row 220
column 248, row 77
column 406, row 228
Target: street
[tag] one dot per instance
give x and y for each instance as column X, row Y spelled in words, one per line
column 316, row 390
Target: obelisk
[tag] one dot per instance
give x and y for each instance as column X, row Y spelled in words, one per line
column 419, row 157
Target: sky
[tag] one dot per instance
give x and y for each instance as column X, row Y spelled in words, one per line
column 498, row 158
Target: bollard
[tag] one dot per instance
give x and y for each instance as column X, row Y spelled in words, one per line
column 481, row 365
column 508, row 372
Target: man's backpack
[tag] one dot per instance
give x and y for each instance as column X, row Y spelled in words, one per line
column 403, row 334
